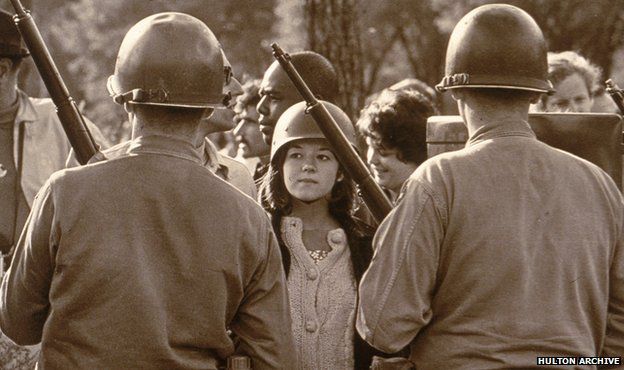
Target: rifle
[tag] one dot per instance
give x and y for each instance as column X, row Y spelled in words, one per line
column 373, row 196
column 73, row 123
column 616, row 94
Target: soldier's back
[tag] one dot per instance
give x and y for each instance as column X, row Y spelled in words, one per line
column 154, row 256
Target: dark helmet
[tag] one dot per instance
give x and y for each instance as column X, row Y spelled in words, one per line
column 497, row 46
column 170, row 59
column 11, row 43
column 296, row 124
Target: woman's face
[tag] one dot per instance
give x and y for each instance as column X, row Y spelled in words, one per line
column 572, row 95
column 388, row 170
column 310, row 169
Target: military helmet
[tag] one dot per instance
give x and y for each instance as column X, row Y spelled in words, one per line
column 11, row 43
column 497, row 46
column 170, row 59
column 296, row 124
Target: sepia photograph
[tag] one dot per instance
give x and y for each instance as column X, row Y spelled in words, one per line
column 311, row 184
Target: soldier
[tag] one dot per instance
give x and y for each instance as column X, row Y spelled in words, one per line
column 33, row 145
column 507, row 249
column 278, row 93
column 224, row 166
column 220, row 121
column 146, row 260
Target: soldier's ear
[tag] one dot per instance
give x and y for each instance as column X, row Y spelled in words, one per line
column 457, row 94
column 208, row 113
column 5, row 67
column 534, row 98
column 129, row 108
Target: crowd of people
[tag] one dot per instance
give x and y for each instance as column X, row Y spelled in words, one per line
column 172, row 251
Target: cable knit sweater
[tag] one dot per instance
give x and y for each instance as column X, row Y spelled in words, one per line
column 322, row 300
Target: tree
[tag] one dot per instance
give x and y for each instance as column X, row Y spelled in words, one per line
column 593, row 28
column 333, row 31
column 415, row 33
column 372, row 43
column 83, row 37
column 407, row 30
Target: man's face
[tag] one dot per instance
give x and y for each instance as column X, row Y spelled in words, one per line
column 223, row 119
column 572, row 95
column 277, row 93
column 247, row 133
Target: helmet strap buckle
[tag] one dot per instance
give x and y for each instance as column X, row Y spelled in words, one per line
column 149, row 95
column 227, row 98
column 457, row 79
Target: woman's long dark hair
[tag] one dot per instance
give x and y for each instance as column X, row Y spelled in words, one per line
column 343, row 204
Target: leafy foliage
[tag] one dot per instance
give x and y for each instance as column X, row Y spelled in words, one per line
column 416, row 32
column 83, row 37
column 373, row 43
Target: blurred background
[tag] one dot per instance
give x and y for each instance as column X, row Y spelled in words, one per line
column 373, row 44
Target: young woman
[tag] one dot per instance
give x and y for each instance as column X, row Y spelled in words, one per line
column 325, row 249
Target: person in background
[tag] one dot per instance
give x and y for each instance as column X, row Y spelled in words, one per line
column 325, row 248
column 575, row 80
column 410, row 84
column 395, row 127
column 148, row 260
column 222, row 121
column 252, row 150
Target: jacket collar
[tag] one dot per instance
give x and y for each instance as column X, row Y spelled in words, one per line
column 26, row 112
column 165, row 145
column 500, row 129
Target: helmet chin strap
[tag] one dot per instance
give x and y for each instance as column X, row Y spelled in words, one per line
column 227, row 98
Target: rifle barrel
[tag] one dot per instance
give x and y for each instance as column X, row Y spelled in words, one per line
column 73, row 123
column 19, row 9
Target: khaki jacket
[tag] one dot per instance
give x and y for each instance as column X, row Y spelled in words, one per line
column 146, row 261
column 495, row 254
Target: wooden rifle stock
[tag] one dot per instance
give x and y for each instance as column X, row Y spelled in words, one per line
column 616, row 94
column 373, row 196
column 73, row 123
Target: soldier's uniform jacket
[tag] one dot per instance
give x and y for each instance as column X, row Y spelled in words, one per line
column 503, row 251
column 145, row 261
column 225, row 167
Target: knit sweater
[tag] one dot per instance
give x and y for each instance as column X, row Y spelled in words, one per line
column 323, row 297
